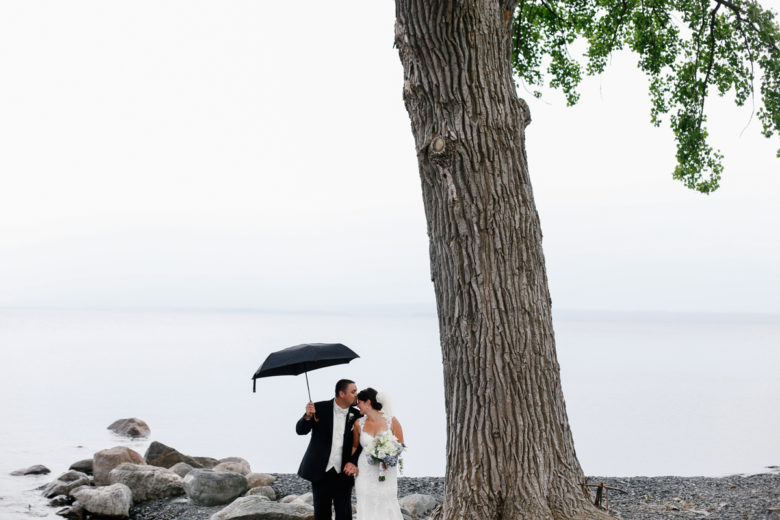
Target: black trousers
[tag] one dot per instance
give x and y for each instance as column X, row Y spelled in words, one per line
column 334, row 489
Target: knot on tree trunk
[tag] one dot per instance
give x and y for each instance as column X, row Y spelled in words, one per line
column 440, row 150
column 525, row 112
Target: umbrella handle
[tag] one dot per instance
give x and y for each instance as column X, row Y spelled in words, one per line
column 309, row 391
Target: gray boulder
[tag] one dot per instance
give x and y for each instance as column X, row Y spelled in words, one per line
column 206, row 487
column 260, row 479
column 60, row 500
column 252, row 493
column 106, row 460
column 84, row 466
column 264, row 491
column 114, row 500
column 418, row 505
column 181, row 469
column 158, row 454
column 306, row 498
column 259, row 508
column 32, row 470
column 206, row 462
column 234, row 466
column 73, row 512
column 64, row 483
column 147, row 482
column 130, row 427
column 235, row 459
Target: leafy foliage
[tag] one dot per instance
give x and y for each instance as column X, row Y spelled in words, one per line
column 688, row 49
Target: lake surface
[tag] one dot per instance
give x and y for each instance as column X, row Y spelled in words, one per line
column 646, row 394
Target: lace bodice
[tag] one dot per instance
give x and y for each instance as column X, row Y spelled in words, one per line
column 366, row 438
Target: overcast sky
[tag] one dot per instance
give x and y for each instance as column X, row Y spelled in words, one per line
column 241, row 154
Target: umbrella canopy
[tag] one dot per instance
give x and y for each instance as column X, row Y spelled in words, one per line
column 300, row 359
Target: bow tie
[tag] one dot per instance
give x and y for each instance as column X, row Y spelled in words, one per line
column 340, row 410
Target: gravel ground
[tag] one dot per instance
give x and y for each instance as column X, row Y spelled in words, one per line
column 648, row 498
column 734, row 497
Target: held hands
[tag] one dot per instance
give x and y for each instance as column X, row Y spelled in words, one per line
column 350, row 470
column 309, row 410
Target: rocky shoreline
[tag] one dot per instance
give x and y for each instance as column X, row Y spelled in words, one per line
column 734, row 497
column 164, row 484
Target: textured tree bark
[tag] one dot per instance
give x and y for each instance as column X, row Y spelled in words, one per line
column 510, row 452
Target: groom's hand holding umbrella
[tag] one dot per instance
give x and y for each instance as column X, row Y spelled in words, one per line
column 309, row 410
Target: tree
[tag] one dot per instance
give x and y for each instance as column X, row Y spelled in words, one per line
column 510, row 452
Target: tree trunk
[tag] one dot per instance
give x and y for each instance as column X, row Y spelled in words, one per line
column 510, row 452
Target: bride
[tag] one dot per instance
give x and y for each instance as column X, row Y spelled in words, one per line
column 375, row 500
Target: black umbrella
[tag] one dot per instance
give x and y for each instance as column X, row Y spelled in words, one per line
column 301, row 359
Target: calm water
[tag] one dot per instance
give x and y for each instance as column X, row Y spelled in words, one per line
column 646, row 394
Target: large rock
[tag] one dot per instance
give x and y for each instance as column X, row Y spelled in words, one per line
column 254, row 493
column 260, row 479
column 235, row 459
column 32, row 470
column 61, row 500
column 206, row 462
column 259, row 508
column 147, row 482
column 114, row 500
column 306, row 498
column 84, row 466
column 130, row 427
column 64, row 483
column 74, row 512
column 266, row 491
column 234, row 464
column 418, row 505
column 106, row 460
column 181, row 469
column 206, row 487
column 158, row 454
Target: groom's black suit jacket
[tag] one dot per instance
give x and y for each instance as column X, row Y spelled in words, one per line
column 317, row 454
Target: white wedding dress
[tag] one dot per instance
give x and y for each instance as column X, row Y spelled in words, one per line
column 375, row 500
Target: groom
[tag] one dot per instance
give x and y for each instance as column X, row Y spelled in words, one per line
column 328, row 463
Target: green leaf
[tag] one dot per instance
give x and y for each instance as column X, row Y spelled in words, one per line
column 689, row 49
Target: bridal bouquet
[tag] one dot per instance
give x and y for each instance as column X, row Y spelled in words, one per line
column 385, row 450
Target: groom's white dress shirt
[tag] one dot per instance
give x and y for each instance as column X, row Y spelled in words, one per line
column 337, row 444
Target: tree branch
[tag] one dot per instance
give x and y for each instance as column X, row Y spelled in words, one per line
column 751, row 59
column 730, row 5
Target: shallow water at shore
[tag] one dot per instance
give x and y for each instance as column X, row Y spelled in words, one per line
column 646, row 395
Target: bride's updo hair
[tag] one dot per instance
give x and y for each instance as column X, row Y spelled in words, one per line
column 369, row 394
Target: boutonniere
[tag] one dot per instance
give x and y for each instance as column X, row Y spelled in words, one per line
column 351, row 416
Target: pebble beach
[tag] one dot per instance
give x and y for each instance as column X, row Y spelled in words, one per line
column 735, row 497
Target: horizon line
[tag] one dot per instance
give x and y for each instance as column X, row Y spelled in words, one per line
column 407, row 308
